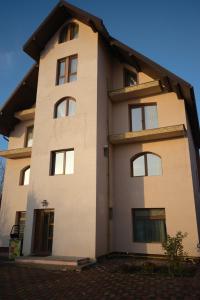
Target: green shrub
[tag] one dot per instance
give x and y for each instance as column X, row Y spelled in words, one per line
column 174, row 250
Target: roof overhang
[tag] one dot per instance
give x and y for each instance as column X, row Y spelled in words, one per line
column 59, row 15
column 22, row 98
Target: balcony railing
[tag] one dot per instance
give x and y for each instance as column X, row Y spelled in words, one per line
column 16, row 153
column 137, row 91
column 169, row 132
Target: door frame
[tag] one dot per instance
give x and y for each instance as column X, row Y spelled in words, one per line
column 37, row 241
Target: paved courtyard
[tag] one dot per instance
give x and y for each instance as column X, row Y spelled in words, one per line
column 104, row 281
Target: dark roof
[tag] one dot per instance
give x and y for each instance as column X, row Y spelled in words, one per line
column 23, row 97
column 48, row 28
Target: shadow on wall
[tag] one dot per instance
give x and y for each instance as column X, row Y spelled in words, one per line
column 128, row 195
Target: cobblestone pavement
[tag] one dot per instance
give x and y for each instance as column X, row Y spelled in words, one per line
column 104, row 281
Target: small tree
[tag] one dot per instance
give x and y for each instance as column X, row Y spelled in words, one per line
column 174, row 250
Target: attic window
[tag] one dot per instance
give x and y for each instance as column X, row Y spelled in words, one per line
column 68, row 32
column 130, row 78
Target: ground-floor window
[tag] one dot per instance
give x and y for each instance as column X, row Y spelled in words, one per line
column 149, row 225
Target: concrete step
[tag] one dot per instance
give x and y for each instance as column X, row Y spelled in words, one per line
column 56, row 262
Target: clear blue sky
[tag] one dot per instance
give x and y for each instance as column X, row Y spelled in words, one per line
column 165, row 31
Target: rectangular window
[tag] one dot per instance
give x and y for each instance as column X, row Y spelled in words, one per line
column 67, row 69
column 130, row 78
column 29, row 137
column 149, row 225
column 62, row 162
column 143, row 117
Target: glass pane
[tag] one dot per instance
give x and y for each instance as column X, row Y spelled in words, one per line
column 69, row 167
column 139, row 230
column 154, row 165
column 74, row 31
column 148, row 231
column 61, row 109
column 139, row 166
column 63, row 35
column 61, row 80
column 26, row 176
column 71, row 107
column 136, row 119
column 72, row 78
column 157, row 231
column 73, row 67
column 142, row 212
column 130, row 78
column 155, row 212
column 62, row 68
column 29, row 137
column 151, row 116
column 59, row 162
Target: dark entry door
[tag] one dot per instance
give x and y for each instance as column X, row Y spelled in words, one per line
column 43, row 238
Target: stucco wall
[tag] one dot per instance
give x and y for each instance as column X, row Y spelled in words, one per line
column 73, row 197
column 170, row 112
column 102, row 209
column 172, row 191
column 14, row 195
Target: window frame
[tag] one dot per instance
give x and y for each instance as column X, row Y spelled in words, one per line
column 52, row 161
column 22, row 175
column 64, row 99
column 161, row 217
column 142, row 106
column 67, row 69
column 124, row 77
column 67, row 30
column 145, row 164
column 26, row 135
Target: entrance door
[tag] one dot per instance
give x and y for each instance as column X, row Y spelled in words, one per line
column 43, row 238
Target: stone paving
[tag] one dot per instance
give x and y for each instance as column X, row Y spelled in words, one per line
column 104, row 281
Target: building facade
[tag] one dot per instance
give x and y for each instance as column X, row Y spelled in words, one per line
column 103, row 146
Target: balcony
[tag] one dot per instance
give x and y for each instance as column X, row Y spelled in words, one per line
column 25, row 115
column 16, row 153
column 149, row 135
column 137, row 91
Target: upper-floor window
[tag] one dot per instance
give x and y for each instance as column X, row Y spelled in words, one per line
column 62, row 162
column 65, row 107
column 29, row 137
column 149, row 225
column 130, row 78
column 67, row 69
column 68, row 32
column 143, row 117
column 146, row 164
column 25, row 176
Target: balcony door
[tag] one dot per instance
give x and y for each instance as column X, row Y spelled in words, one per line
column 43, row 237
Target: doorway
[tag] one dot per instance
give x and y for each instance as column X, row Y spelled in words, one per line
column 43, row 234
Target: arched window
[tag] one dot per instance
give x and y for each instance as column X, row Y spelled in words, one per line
column 65, row 107
column 25, row 176
column 68, row 32
column 146, row 164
